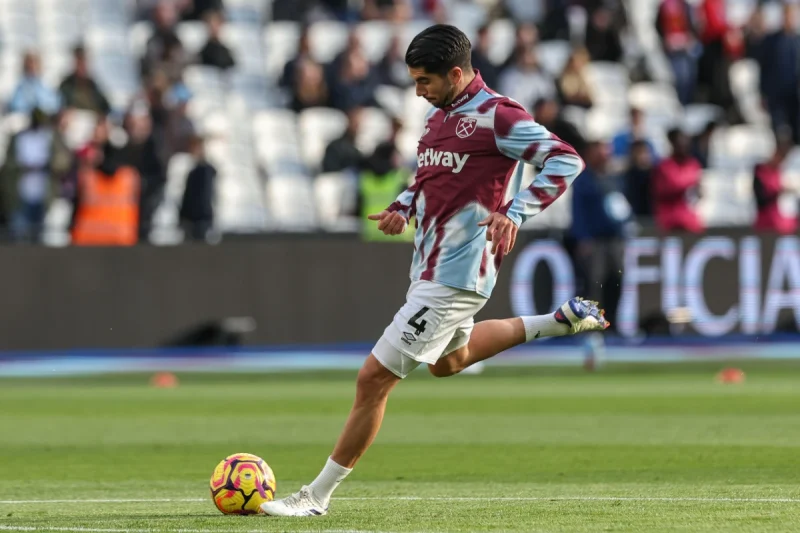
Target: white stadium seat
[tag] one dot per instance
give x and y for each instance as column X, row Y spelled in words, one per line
column 327, row 39
column 553, row 56
column 318, row 127
column 290, row 202
column 335, row 195
column 280, row 45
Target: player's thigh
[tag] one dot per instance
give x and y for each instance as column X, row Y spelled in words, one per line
column 423, row 329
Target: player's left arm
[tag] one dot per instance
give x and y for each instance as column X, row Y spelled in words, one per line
column 520, row 137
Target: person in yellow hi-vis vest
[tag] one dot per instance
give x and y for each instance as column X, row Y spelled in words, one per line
column 381, row 181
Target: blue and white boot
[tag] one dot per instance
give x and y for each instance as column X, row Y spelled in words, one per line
column 581, row 315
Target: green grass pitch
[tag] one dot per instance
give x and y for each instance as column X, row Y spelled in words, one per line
column 645, row 449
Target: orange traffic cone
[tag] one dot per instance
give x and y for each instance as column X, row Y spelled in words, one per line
column 164, row 380
column 730, row 375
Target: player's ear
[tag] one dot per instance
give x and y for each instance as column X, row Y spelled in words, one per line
column 455, row 75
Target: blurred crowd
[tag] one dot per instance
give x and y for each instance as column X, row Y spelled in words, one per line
column 113, row 172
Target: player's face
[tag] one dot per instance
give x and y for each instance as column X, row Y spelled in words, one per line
column 435, row 88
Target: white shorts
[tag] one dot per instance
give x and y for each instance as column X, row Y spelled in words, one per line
column 436, row 320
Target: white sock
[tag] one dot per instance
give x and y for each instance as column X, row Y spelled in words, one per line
column 540, row 326
column 327, row 480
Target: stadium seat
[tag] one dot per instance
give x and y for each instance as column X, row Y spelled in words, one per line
column 240, row 204
column 659, row 103
column 19, row 32
column 252, row 12
column 56, row 66
column 392, row 99
column 335, row 196
column 290, row 202
column 468, row 16
column 318, row 126
column 246, row 47
column 604, row 122
column 609, row 83
column 553, row 55
column 80, row 128
column 55, row 231
column 109, row 40
column 111, row 12
column 726, row 198
column 138, row 35
column 327, row 39
column 280, row 45
column 744, row 79
column 501, row 40
column 697, row 116
column 375, row 128
column 193, row 35
column 204, row 81
column 375, row 35
column 748, row 145
column 525, row 10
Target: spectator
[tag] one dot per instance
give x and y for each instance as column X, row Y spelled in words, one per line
column 179, row 129
column 79, row 90
column 355, row 84
column 638, row 180
column 675, row 188
column 142, row 153
column 675, row 25
column 701, row 144
column 31, row 92
column 392, row 69
column 526, row 81
column 309, row 88
column 621, row 143
column 603, row 34
column 547, row 112
column 573, row 85
column 393, row 10
column 164, row 49
column 106, row 209
column 722, row 45
column 303, row 55
column 600, row 214
column 197, row 206
column 768, row 188
column 214, row 53
column 27, row 180
column 199, row 9
column 779, row 63
column 555, row 25
column 480, row 58
column 342, row 154
column 526, row 37
column 381, row 181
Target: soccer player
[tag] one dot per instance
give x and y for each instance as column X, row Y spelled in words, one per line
column 468, row 161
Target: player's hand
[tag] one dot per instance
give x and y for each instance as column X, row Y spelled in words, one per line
column 501, row 231
column 390, row 223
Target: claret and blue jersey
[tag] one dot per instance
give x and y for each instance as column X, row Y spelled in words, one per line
column 468, row 167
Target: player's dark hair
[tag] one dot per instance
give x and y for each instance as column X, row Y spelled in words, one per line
column 437, row 49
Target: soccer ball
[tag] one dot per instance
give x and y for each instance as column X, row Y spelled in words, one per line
column 241, row 483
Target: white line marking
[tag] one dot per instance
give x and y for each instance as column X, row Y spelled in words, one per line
column 134, row 500
column 111, row 530
column 450, row 499
column 574, row 498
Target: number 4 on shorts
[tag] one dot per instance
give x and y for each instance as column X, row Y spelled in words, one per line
column 419, row 326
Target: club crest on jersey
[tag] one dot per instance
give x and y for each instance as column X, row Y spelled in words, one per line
column 466, row 126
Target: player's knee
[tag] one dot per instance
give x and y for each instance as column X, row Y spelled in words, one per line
column 374, row 380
